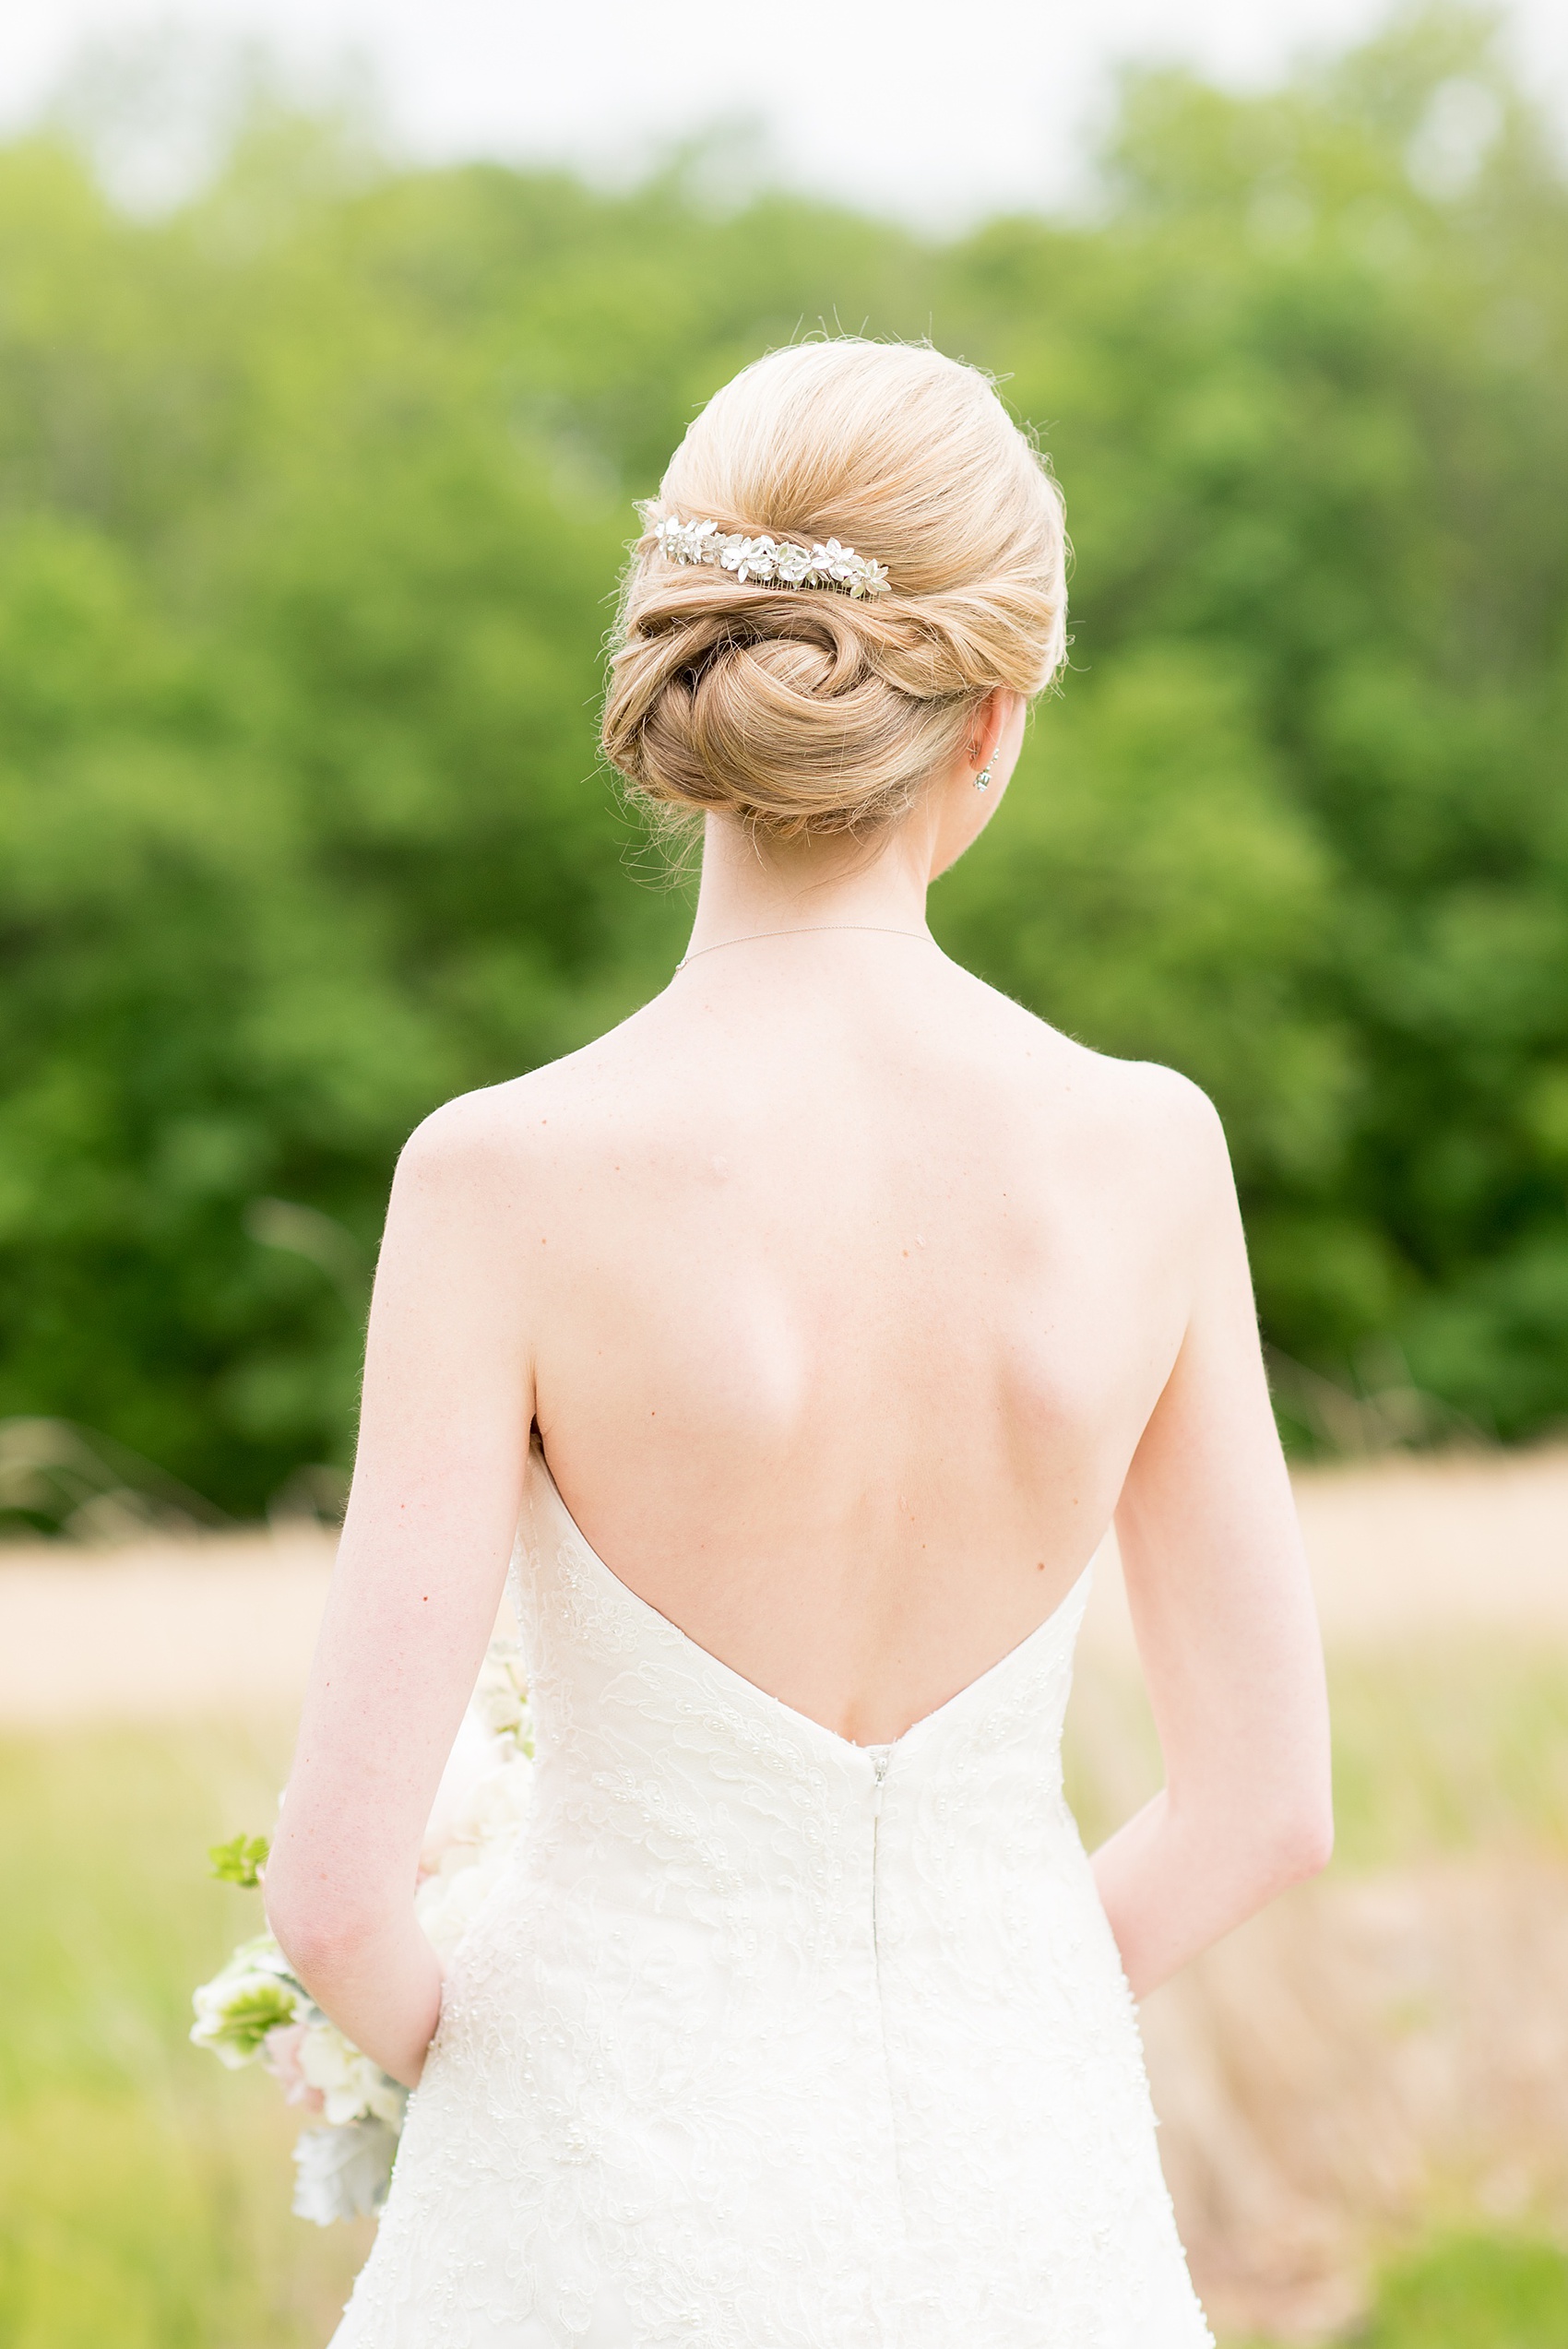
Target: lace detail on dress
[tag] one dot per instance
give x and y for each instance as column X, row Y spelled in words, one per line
column 769, row 2042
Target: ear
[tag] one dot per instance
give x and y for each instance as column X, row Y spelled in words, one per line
column 986, row 730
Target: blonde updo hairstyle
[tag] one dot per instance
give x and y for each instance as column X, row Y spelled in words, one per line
column 805, row 710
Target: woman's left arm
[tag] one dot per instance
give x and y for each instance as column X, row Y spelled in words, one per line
column 438, row 1479
column 1223, row 1606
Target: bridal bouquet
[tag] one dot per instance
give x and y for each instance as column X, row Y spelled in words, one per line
column 256, row 2011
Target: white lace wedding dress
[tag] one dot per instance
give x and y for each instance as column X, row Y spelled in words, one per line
column 770, row 2041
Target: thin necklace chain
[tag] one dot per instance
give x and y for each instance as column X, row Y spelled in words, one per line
column 807, row 929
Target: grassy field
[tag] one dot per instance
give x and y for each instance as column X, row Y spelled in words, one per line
column 143, row 2192
column 1447, row 1746
column 1470, row 2292
column 1373, row 2075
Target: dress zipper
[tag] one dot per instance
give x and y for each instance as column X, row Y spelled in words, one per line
column 881, row 1762
column 881, row 1757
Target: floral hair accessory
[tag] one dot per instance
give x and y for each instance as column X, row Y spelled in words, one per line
column 779, row 562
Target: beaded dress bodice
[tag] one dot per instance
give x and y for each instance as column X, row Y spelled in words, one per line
column 770, row 2041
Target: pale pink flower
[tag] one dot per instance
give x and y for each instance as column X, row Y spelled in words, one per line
column 280, row 2054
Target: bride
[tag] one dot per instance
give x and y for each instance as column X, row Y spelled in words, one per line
column 814, row 1325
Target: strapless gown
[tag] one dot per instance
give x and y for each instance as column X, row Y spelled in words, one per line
column 771, row 2041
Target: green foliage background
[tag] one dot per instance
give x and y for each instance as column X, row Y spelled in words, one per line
column 312, row 499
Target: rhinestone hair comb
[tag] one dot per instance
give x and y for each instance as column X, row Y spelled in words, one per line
column 776, row 563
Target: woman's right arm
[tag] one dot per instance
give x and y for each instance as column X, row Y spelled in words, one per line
column 1226, row 1630
column 438, row 1480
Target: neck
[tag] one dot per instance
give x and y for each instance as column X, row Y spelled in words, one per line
column 749, row 890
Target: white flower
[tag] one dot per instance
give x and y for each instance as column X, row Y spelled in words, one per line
column 255, row 1994
column 501, row 1698
column 351, row 2088
column 342, row 2173
column 793, row 564
column 475, row 1753
column 483, row 1836
column 495, row 1732
column 447, row 1905
column 686, row 542
column 744, row 556
column 483, row 1799
column 497, row 1806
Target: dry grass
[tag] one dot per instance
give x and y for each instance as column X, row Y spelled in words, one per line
column 1371, row 2061
column 1383, row 2054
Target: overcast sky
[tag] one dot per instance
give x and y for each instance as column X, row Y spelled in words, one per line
column 940, row 113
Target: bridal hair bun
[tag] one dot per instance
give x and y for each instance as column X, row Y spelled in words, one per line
column 853, row 546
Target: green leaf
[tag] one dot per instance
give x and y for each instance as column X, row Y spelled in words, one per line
column 240, row 1861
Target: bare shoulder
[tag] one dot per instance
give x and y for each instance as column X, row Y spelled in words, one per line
column 1147, row 1120
column 1172, row 1159
column 484, row 1144
column 499, row 1138
column 1157, row 1107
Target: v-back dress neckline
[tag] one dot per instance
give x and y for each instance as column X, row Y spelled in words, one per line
column 1068, row 1608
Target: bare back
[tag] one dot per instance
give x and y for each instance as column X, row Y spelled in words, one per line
column 849, row 1300
column 854, row 1287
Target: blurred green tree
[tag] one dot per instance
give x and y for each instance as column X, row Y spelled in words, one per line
column 312, row 498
